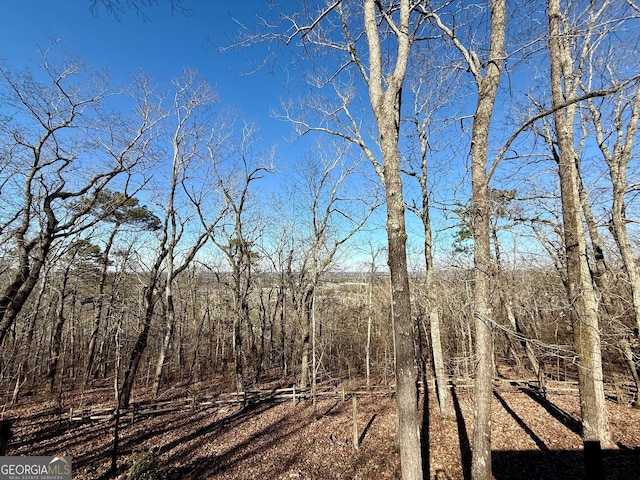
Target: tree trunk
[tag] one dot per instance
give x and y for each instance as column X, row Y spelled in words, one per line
column 56, row 335
column 28, row 342
column 93, row 339
column 406, row 374
column 617, row 160
column 433, row 313
column 580, row 291
column 170, row 318
column 367, row 353
column 306, row 313
column 194, row 368
column 620, row 234
column 386, row 103
column 601, row 277
column 442, row 384
column 627, row 354
column 483, row 264
column 18, row 292
column 139, row 348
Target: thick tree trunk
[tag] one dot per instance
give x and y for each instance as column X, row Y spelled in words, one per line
column 408, row 435
column 385, row 96
column 483, row 264
column 483, row 270
column 18, row 291
column 582, row 297
column 406, row 374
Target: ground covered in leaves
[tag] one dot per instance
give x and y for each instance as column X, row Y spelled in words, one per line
column 534, row 437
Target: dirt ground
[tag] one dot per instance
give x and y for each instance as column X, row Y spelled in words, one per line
column 534, row 437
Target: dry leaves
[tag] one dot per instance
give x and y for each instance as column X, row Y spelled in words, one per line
column 533, row 437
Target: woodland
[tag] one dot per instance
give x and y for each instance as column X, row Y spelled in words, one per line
column 444, row 285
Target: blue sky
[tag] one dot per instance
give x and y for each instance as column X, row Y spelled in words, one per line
column 161, row 45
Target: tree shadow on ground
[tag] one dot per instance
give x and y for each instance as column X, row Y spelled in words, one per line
column 159, row 427
column 366, row 429
column 230, row 421
column 262, row 440
column 330, row 410
column 546, row 464
column 463, row 437
column 623, row 464
column 538, row 441
column 424, row 434
column 556, row 412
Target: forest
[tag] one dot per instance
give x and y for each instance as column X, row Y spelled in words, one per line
column 462, row 216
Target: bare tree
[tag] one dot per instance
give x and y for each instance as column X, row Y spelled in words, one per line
column 28, row 341
column 192, row 97
column 332, row 212
column 374, row 252
column 430, row 100
column 601, row 272
column 187, row 142
column 372, row 42
column 616, row 142
column 486, row 75
column 65, row 149
column 81, row 254
column 584, row 306
column 236, row 169
column 128, row 213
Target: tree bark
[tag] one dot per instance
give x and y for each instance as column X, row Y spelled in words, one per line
column 483, row 264
column 406, row 374
column 386, row 108
column 170, row 318
column 580, row 291
column 21, row 377
column 442, row 384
